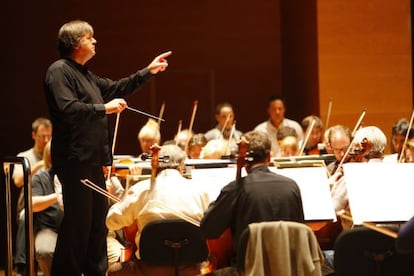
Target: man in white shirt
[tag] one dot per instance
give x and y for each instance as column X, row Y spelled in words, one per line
column 170, row 196
column 276, row 110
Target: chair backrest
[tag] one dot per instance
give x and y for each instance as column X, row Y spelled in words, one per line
column 172, row 242
column 362, row 251
column 280, row 248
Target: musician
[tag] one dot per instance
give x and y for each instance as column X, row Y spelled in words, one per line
column 289, row 146
column 79, row 102
column 409, row 152
column 225, row 119
column 182, row 138
column 41, row 134
column 339, row 137
column 260, row 196
column 405, row 240
column 47, row 206
column 195, row 145
column 314, row 145
column 398, row 133
column 148, row 135
column 276, row 110
column 368, row 145
column 285, row 131
column 214, row 149
column 171, row 196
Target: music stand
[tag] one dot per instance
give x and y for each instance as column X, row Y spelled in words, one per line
column 313, row 183
column 380, row 192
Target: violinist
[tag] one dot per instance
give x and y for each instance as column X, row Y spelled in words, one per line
column 398, row 133
column 148, row 135
column 314, row 144
column 289, row 146
column 368, row 145
column 339, row 138
column 195, row 145
column 214, row 149
column 169, row 195
column 225, row 119
column 260, row 196
column 409, row 152
column 182, row 137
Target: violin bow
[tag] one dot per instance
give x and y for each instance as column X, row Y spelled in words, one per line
column 180, row 124
column 190, row 128
column 233, row 129
column 308, row 133
column 98, row 189
column 225, row 125
column 358, row 124
column 328, row 113
column 161, row 113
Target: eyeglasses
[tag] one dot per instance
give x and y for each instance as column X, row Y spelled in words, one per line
column 338, row 150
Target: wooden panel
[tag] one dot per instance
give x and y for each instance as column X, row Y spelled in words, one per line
column 365, row 61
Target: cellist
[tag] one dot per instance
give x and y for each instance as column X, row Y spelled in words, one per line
column 166, row 195
column 260, row 196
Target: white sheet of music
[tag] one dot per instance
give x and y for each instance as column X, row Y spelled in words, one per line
column 316, row 197
column 314, row 188
column 380, row 192
column 212, row 180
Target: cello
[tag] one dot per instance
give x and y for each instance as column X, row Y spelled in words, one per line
column 221, row 250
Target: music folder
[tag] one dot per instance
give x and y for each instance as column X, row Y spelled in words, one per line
column 380, row 192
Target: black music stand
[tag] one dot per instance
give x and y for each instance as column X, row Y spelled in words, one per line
column 7, row 165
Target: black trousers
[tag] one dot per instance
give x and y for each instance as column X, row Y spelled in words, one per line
column 81, row 244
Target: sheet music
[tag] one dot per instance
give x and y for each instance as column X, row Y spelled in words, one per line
column 316, row 197
column 380, row 192
column 314, row 188
column 214, row 179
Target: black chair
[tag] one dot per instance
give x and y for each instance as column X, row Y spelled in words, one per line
column 172, row 242
column 365, row 252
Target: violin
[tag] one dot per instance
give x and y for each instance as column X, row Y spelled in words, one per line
column 359, row 151
column 121, row 173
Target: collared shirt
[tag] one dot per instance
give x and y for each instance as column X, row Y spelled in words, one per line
column 172, row 196
column 271, row 131
column 262, row 195
column 216, row 133
column 76, row 99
